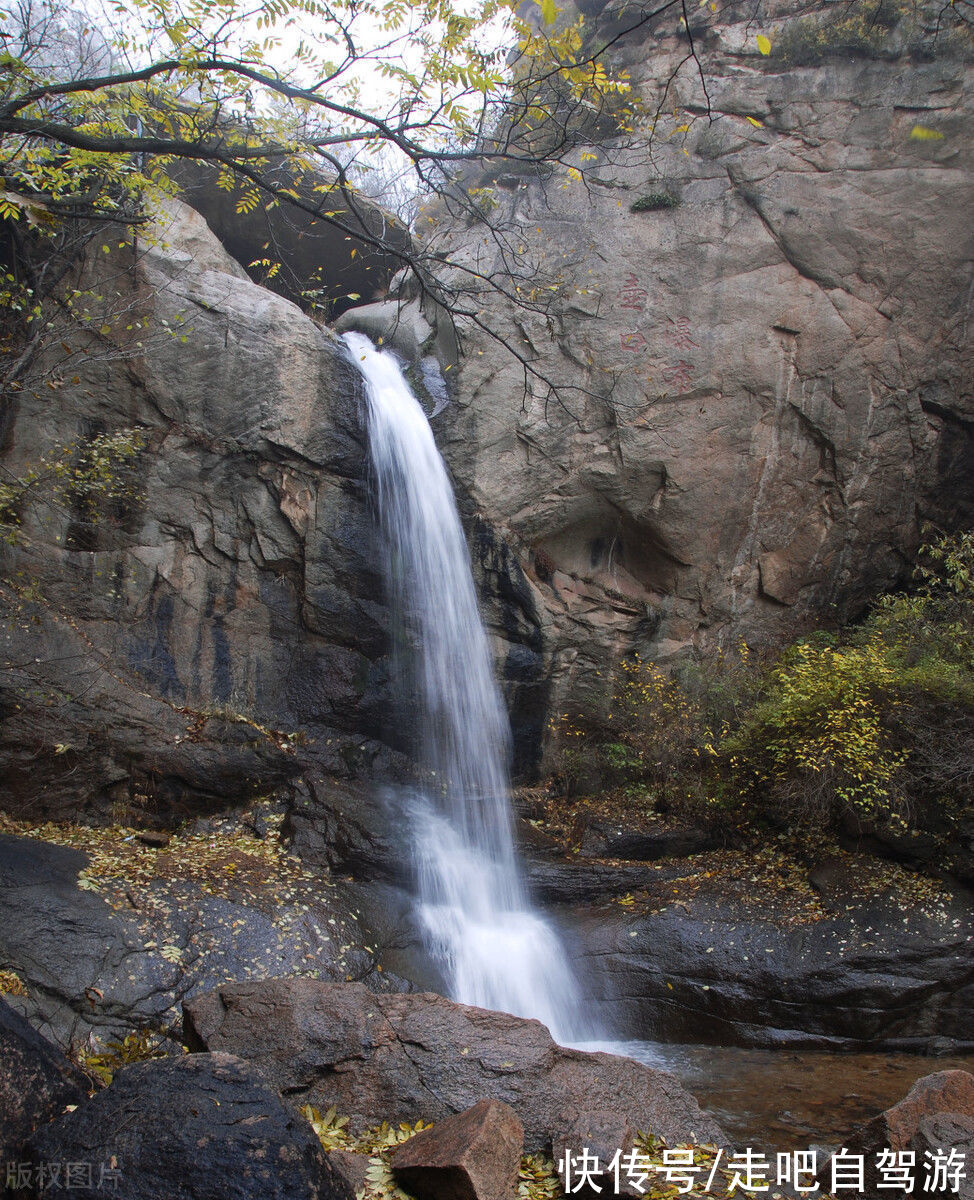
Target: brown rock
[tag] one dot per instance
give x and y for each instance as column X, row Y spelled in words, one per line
column 352, row 1167
column 406, row 1057
column 154, row 837
column 473, row 1155
column 942, row 1092
column 907, row 1125
column 946, row 1132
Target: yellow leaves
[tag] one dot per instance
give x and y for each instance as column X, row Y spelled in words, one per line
column 921, row 133
column 549, row 13
column 11, row 984
column 249, row 201
column 755, row 122
column 764, row 44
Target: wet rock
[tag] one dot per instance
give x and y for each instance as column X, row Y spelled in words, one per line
column 406, row 1057
column 870, row 972
column 350, row 828
column 472, row 1155
column 575, row 881
column 37, row 1082
column 107, row 963
column 649, row 845
column 204, row 1125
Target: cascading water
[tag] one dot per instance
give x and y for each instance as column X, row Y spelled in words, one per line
column 494, row 949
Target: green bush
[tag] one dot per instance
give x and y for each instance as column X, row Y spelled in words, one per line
column 876, row 724
column 873, row 725
column 653, row 201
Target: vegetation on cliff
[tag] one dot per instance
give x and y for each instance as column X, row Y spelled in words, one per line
column 869, row 726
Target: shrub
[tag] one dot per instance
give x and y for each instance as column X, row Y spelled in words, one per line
column 873, row 724
column 877, row 724
column 652, row 201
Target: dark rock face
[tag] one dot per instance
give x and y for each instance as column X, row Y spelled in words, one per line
column 346, row 827
column 36, row 1082
column 871, row 972
column 203, row 1126
column 400, row 1058
column 473, row 1155
column 93, row 962
column 311, row 254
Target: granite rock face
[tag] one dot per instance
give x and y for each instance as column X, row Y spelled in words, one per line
column 226, row 611
column 761, row 370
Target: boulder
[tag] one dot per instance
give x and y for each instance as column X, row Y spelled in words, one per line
column 203, row 1126
column 472, row 1155
column 407, row 1057
column 942, row 1133
column 938, row 1106
column 352, row 1167
column 942, row 1092
column 37, row 1082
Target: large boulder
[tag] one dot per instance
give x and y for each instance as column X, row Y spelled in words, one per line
column 407, row 1057
column 37, row 1082
column 204, row 1127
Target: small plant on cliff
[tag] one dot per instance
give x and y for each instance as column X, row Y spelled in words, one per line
column 654, row 201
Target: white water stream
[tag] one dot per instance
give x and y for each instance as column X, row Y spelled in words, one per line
column 494, row 949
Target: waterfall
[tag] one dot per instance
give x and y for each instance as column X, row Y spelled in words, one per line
column 495, row 951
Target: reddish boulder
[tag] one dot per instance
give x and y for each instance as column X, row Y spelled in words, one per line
column 406, row 1057
column 938, row 1106
column 473, row 1155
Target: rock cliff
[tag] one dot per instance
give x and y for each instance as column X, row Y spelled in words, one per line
column 758, row 337
column 758, row 332
column 168, row 646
